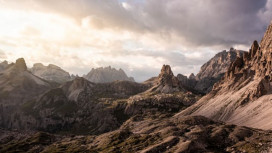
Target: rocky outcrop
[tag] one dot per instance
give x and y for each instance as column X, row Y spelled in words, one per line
column 107, row 74
column 20, row 65
column 166, row 82
column 189, row 83
column 167, row 78
column 211, row 72
column 50, row 73
column 243, row 96
column 160, row 104
column 219, row 64
column 185, row 134
column 165, row 97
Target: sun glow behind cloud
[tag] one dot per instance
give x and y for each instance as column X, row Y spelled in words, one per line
column 52, row 38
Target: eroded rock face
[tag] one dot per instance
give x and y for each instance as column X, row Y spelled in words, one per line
column 166, row 82
column 255, row 65
column 211, row 72
column 219, row 64
column 243, row 96
column 51, row 73
column 167, row 77
column 107, row 74
column 20, row 64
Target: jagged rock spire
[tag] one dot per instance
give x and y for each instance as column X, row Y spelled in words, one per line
column 254, row 48
column 166, row 82
column 255, row 65
column 266, row 43
column 20, row 64
column 167, row 77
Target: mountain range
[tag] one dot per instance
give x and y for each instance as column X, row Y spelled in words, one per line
column 99, row 75
column 226, row 107
column 242, row 97
column 211, row 72
column 50, row 72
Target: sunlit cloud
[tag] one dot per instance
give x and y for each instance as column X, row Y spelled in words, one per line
column 138, row 36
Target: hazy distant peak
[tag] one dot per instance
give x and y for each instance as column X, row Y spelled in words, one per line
column 38, row 65
column 50, row 72
column 107, row 74
column 54, row 66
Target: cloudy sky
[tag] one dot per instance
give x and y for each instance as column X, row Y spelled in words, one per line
column 138, row 36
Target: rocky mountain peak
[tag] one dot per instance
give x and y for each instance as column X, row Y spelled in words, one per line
column 256, row 63
column 192, row 76
column 211, row 72
column 167, row 77
column 20, row 64
column 219, row 64
column 243, row 96
column 254, row 47
column 53, row 66
column 51, row 73
column 254, row 66
column 266, row 43
column 166, row 70
column 38, row 65
column 107, row 74
column 166, row 82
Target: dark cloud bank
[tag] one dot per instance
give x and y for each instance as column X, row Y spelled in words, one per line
column 199, row 23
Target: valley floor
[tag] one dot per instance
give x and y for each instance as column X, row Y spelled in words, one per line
column 175, row 134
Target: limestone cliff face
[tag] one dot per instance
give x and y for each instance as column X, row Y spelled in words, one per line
column 243, row 96
column 219, row 64
column 255, row 65
column 107, row 74
column 211, row 72
column 51, row 73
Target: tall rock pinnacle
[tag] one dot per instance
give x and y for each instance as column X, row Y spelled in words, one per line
column 167, row 77
column 266, row 43
column 166, row 81
column 20, row 64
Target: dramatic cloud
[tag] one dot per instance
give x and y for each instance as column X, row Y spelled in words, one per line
column 136, row 35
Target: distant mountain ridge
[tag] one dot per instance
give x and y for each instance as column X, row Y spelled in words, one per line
column 50, row 72
column 107, row 74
